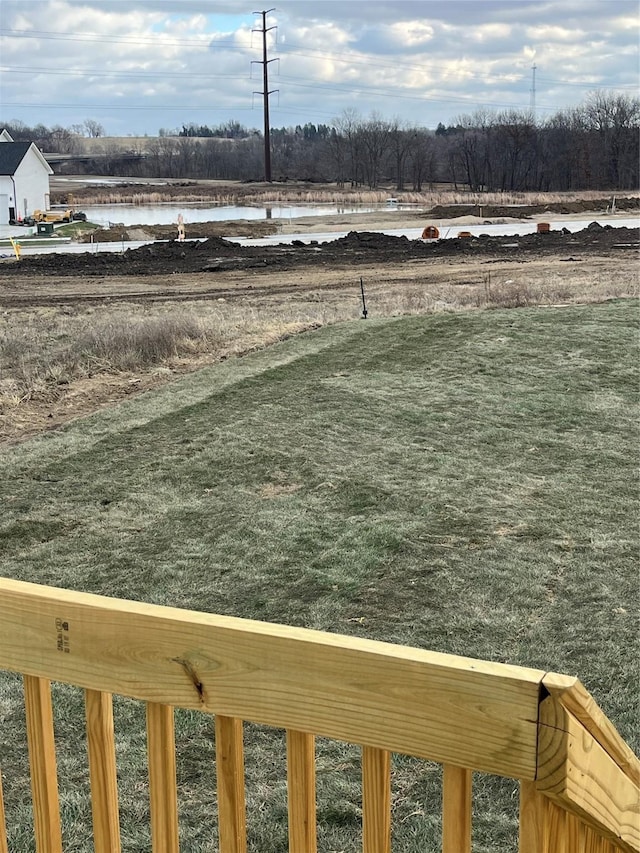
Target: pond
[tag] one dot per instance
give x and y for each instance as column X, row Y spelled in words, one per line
column 167, row 214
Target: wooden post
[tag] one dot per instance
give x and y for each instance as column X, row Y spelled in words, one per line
column 102, row 771
column 230, row 771
column 579, row 776
column 4, row 847
column 162, row 778
column 456, row 809
column 42, row 761
column 301, row 790
column 376, row 800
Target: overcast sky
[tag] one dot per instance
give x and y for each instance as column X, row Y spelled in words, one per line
column 136, row 66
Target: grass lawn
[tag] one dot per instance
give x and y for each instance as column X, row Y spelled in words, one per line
column 464, row 483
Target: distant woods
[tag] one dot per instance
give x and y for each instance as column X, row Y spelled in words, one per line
column 592, row 146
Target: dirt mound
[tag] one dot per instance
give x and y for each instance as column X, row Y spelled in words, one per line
column 218, row 254
column 369, row 240
column 172, row 249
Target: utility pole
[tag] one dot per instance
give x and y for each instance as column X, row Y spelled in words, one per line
column 265, row 91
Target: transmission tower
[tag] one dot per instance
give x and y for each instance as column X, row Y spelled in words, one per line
column 532, row 104
column 265, row 91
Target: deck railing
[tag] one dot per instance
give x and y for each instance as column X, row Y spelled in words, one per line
column 579, row 781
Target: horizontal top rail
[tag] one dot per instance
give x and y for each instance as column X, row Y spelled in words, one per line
column 449, row 709
column 572, row 694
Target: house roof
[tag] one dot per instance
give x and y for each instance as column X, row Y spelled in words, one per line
column 13, row 153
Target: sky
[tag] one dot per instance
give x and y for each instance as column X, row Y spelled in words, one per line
column 138, row 66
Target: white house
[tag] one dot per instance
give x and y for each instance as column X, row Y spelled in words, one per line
column 24, row 179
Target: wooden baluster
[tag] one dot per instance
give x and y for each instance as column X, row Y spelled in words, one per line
column 544, row 826
column 301, row 788
column 42, row 761
column 595, row 843
column 163, row 794
column 456, row 809
column 558, row 829
column 592, row 842
column 534, row 815
column 4, row 846
column 230, row 772
column 575, row 834
column 376, row 800
column 102, row 771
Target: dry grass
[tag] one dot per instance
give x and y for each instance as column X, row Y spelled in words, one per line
column 259, row 196
column 47, row 349
column 525, row 199
column 504, row 289
column 47, row 354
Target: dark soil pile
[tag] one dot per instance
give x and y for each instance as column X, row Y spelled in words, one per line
column 218, row 254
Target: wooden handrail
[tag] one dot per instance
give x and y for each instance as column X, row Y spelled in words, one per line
column 377, row 694
column 577, row 773
column 576, row 699
column 579, row 780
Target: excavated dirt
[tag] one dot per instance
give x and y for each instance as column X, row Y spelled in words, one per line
column 358, row 247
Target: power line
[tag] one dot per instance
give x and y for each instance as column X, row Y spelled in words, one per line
column 292, row 81
column 22, row 105
column 89, row 72
column 93, row 38
column 306, row 52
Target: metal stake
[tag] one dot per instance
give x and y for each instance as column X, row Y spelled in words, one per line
column 364, row 304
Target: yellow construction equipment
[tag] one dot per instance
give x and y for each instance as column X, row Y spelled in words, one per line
column 67, row 215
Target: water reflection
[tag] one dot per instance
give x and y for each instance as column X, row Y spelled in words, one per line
column 166, row 214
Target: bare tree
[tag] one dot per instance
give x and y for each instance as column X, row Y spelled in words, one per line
column 614, row 119
column 337, row 155
column 401, row 140
column 93, row 128
column 421, row 158
column 375, row 147
column 349, row 125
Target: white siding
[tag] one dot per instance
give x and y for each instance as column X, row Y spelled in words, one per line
column 32, row 184
column 6, row 198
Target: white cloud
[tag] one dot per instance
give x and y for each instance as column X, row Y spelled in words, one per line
column 490, row 32
column 411, row 34
column 174, row 62
column 549, row 33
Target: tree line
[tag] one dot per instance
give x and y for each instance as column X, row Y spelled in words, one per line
column 594, row 145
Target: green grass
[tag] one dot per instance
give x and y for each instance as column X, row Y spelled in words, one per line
column 464, row 483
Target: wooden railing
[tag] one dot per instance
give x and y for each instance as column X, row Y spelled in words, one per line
column 579, row 782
